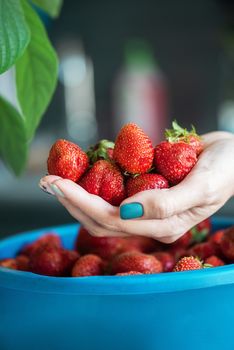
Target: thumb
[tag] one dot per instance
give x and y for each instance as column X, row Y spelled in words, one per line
column 163, row 203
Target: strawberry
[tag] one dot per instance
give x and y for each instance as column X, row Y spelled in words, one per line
column 216, row 237
column 51, row 261
column 49, row 239
column 227, row 243
column 166, row 259
column 140, row 244
column 177, row 252
column 135, row 261
column 196, row 234
column 22, row 262
column 9, row 264
column 102, row 150
column 214, row 261
column 184, row 241
column 88, row 265
column 145, row 182
column 130, row 273
column 67, row 160
column 105, row 247
column 174, row 160
column 105, row 180
column 202, row 250
column 179, row 134
column 69, row 259
column 201, row 231
column 133, row 150
column 188, row 263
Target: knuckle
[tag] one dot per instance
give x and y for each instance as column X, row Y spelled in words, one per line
column 159, row 209
column 96, row 231
column 210, row 196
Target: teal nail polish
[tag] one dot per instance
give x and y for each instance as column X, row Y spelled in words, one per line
column 131, row 211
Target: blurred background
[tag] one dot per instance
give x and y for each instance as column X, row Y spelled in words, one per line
column 145, row 61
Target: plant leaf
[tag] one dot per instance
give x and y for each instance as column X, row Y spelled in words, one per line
column 36, row 72
column 13, row 141
column 14, row 33
column 52, row 7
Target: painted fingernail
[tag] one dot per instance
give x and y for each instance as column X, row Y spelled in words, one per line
column 131, row 211
column 56, row 190
column 44, row 187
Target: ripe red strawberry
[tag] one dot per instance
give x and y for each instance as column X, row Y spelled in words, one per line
column 49, row 239
column 188, row 263
column 145, row 182
column 167, row 260
column 227, row 243
column 67, row 160
column 216, row 238
column 9, row 264
column 196, row 234
column 214, row 261
column 201, row 231
column 22, row 262
column 140, row 244
column 130, row 273
column 69, row 259
column 102, row 150
column 180, row 134
column 133, row 150
column 174, row 160
column 105, row 247
column 88, row 265
column 50, row 261
column 104, row 179
column 134, row 261
column 202, row 250
column 177, row 252
column 184, row 241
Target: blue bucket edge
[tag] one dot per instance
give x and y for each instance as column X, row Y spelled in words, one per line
column 112, row 285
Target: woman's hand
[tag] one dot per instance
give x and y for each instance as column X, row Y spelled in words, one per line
column 166, row 214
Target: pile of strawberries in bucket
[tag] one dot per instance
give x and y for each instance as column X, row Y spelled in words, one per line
column 115, row 171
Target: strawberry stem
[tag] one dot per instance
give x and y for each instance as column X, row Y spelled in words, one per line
column 100, row 151
column 177, row 133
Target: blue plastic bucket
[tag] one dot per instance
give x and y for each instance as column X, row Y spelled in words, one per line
column 187, row 310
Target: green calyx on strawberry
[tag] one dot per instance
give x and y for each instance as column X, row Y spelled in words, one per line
column 201, row 231
column 102, row 150
column 178, row 134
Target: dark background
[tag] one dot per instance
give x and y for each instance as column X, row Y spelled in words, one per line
column 193, row 43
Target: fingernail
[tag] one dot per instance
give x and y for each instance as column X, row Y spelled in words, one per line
column 56, row 190
column 131, row 211
column 44, row 187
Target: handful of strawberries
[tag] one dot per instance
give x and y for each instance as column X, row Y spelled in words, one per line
column 115, row 171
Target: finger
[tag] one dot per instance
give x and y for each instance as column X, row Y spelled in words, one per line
column 80, row 198
column 94, row 207
column 96, row 230
column 160, row 204
column 92, row 227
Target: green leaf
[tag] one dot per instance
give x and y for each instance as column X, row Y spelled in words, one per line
column 13, row 142
column 52, row 7
column 14, row 33
column 36, row 72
